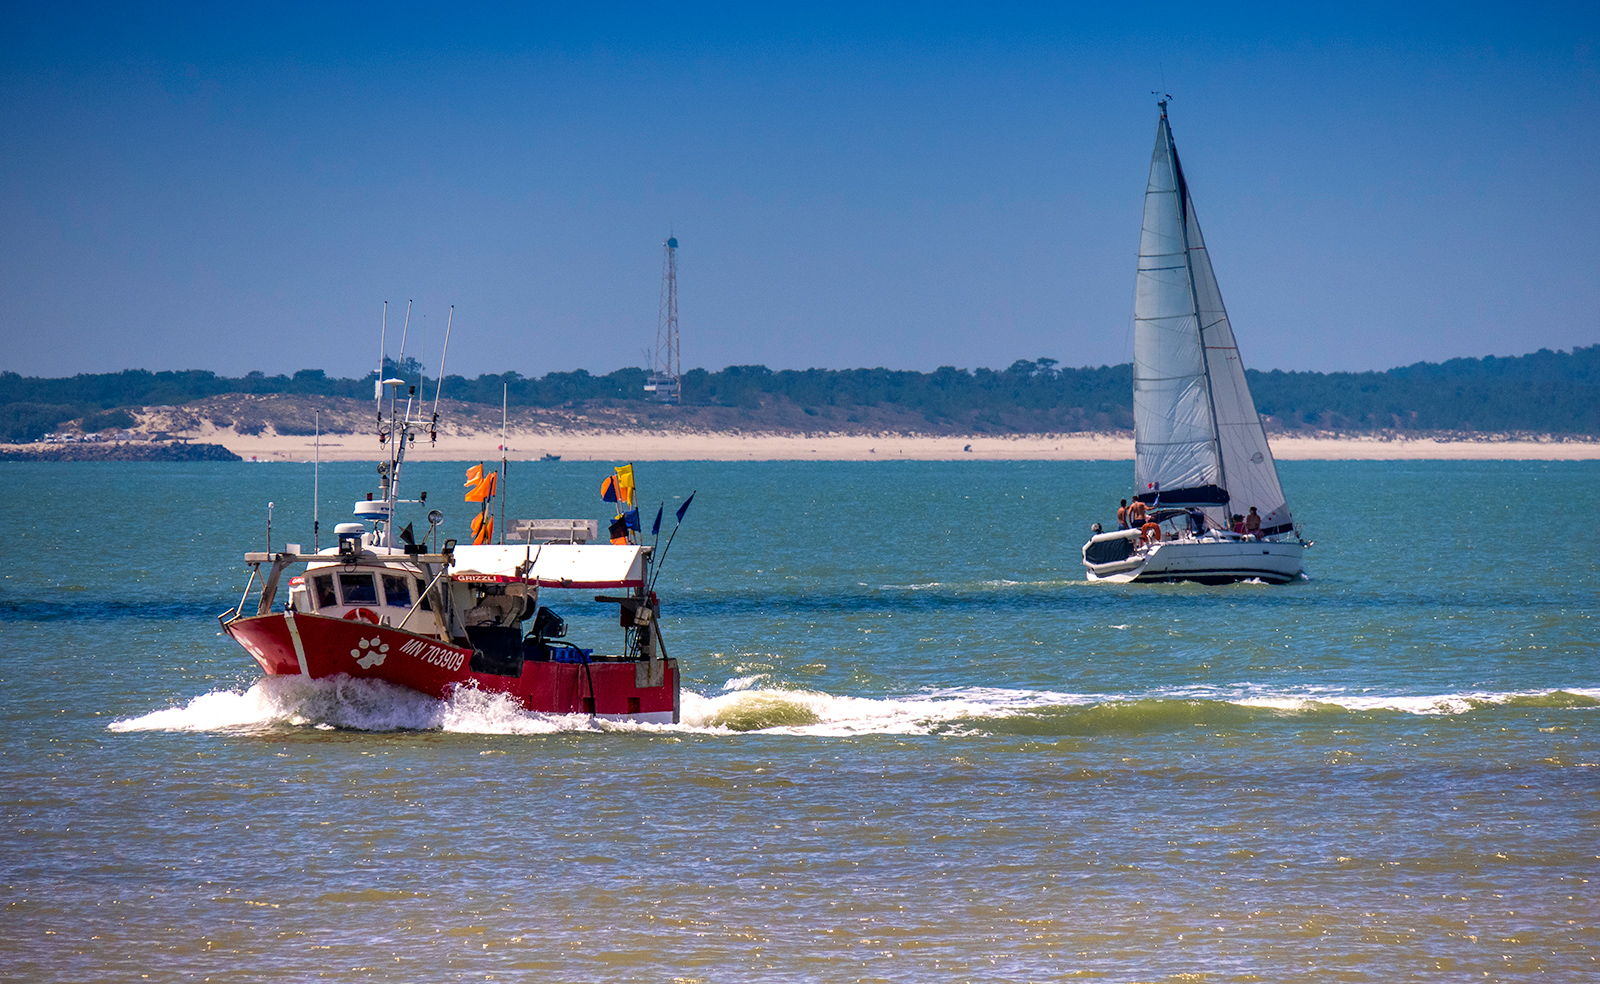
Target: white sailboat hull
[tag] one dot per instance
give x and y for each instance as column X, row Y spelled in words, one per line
column 1209, row 561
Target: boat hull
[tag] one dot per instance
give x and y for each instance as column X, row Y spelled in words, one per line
column 318, row 647
column 1205, row 561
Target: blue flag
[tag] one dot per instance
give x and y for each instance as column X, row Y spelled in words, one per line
column 631, row 517
column 655, row 527
column 685, row 507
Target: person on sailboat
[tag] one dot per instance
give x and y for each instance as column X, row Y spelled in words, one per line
column 1136, row 516
column 1252, row 523
column 1122, row 515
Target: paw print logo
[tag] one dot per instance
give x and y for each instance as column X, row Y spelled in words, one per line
column 370, row 652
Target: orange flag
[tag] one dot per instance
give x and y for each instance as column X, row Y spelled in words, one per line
column 484, row 490
column 482, row 528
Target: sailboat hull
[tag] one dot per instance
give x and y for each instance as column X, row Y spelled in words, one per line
column 1206, row 561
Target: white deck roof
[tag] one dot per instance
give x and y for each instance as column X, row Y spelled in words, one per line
column 555, row 565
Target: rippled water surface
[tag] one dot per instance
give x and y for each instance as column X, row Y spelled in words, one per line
column 916, row 745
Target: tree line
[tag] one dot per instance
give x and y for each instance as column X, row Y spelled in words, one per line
column 1544, row 392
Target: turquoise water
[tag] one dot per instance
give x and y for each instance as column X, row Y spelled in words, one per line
column 917, row 745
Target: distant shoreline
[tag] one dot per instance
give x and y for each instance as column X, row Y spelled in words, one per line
column 640, row 445
column 116, row 451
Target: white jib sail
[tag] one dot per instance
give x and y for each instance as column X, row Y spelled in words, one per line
column 1196, row 431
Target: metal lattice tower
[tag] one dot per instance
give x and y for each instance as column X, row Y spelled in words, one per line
column 667, row 365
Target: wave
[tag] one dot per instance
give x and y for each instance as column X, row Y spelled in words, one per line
column 745, row 706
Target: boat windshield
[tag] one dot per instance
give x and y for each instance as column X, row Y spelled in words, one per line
column 358, row 589
column 322, row 591
column 397, row 591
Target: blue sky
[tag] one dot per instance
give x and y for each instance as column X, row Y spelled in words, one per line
column 897, row 185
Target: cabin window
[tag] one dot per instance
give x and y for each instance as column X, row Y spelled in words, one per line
column 396, row 591
column 322, row 588
column 422, row 597
column 358, row 589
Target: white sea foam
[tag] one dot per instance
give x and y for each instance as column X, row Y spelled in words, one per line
column 342, row 702
column 810, row 712
column 1305, row 699
column 743, row 705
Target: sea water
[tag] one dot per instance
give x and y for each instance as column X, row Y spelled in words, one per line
column 916, row 745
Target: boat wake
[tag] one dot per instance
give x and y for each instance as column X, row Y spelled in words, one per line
column 743, row 706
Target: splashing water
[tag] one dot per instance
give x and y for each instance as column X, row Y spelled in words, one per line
column 370, row 705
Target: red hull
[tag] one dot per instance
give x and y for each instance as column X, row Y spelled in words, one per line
column 318, row 646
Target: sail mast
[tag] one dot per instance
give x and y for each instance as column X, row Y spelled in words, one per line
column 1198, row 438
column 1184, row 207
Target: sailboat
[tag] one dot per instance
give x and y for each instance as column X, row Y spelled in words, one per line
column 1201, row 458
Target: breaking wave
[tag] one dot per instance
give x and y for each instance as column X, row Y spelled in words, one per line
column 744, row 707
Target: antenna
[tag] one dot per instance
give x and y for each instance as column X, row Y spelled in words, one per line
column 399, row 363
column 438, row 385
column 505, row 394
column 316, row 488
column 377, row 385
column 422, row 379
column 667, row 366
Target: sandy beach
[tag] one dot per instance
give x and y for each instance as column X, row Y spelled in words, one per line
column 589, row 445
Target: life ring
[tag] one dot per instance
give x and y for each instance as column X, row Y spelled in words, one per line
column 1148, row 533
column 362, row 614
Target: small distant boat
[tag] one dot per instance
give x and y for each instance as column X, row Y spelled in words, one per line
column 1201, row 457
column 381, row 606
column 551, row 457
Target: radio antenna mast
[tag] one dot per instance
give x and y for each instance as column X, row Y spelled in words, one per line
column 667, row 366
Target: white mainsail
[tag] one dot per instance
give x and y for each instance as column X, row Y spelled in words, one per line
column 1198, row 439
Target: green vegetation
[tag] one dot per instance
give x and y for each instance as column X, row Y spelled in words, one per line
column 1545, row 392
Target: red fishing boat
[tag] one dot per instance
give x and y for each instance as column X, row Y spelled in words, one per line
column 381, row 606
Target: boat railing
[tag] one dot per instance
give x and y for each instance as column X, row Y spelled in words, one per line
column 578, row 531
column 1114, row 535
column 282, row 561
